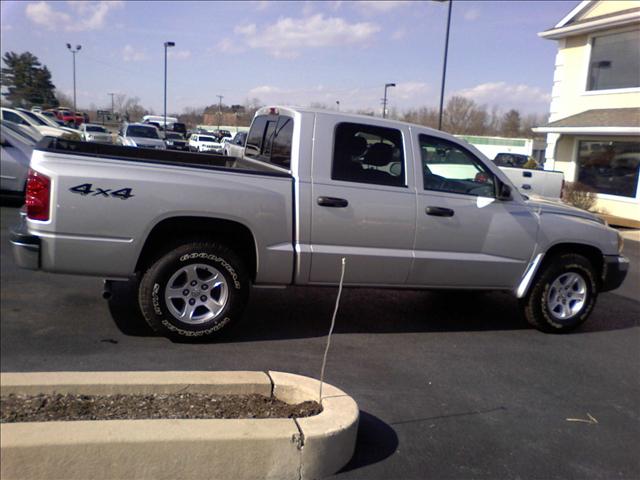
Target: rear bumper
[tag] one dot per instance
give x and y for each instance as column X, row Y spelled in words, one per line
column 614, row 272
column 26, row 247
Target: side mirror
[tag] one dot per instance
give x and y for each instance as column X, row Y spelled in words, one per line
column 504, row 191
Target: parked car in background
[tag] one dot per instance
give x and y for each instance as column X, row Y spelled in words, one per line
column 204, row 143
column 95, row 133
column 223, row 134
column 52, row 116
column 140, row 135
column 16, row 145
column 510, row 160
column 234, row 147
column 69, row 117
column 530, row 181
column 22, row 118
column 178, row 127
column 175, row 141
column 47, row 121
column 36, row 109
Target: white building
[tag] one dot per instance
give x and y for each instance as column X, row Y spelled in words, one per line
column 593, row 134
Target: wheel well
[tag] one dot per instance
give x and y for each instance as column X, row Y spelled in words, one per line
column 172, row 232
column 593, row 254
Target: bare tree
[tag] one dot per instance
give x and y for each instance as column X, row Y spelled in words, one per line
column 64, row 100
column 459, row 115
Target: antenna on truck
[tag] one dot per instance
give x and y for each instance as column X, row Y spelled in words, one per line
column 333, row 323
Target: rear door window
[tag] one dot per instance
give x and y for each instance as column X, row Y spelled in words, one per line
column 368, row 154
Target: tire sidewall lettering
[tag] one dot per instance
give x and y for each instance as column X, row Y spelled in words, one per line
column 214, row 258
column 155, row 299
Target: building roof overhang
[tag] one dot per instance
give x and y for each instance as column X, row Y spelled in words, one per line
column 567, row 28
column 604, row 121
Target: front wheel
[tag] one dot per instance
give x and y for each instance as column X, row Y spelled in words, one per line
column 194, row 292
column 563, row 295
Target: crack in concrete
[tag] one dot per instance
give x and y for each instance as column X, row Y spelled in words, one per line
column 273, row 385
column 300, row 446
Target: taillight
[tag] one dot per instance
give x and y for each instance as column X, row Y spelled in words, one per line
column 38, row 195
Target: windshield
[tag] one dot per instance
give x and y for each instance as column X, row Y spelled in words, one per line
column 173, row 136
column 207, row 139
column 95, row 128
column 34, row 117
column 47, row 120
column 141, row 131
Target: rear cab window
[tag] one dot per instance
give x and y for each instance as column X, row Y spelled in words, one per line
column 270, row 139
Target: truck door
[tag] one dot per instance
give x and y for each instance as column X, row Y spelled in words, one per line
column 465, row 236
column 363, row 204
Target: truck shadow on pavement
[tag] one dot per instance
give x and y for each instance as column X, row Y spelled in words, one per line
column 298, row 312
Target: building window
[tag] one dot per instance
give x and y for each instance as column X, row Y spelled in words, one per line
column 609, row 167
column 615, row 62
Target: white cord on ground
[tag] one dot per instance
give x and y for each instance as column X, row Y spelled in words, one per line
column 333, row 322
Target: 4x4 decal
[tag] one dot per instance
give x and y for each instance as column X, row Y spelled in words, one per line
column 85, row 189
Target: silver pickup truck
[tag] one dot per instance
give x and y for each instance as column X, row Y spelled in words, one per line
column 407, row 206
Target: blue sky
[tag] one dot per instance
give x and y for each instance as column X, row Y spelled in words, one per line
column 292, row 52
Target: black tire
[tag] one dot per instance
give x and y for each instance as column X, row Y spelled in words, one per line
column 181, row 266
column 549, row 298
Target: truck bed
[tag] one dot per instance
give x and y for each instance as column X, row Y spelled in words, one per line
column 212, row 161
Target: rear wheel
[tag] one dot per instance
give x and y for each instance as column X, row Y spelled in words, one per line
column 563, row 295
column 194, row 292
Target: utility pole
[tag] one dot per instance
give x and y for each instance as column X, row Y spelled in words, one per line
column 384, row 100
column 74, row 51
column 220, row 97
column 338, row 105
column 112, row 94
column 444, row 65
column 166, row 45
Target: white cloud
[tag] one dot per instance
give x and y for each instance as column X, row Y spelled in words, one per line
column 506, row 95
column 226, row 45
column 399, row 34
column 259, row 5
column 81, row 15
column 179, row 54
column 130, row 54
column 382, row 6
column 286, row 37
column 471, row 14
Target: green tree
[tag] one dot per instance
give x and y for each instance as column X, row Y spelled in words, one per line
column 511, row 124
column 27, row 82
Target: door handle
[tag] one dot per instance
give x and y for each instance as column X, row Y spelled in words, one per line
column 439, row 211
column 526, row 186
column 332, row 202
column 527, row 174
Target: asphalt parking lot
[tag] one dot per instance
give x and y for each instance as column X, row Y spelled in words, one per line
column 449, row 386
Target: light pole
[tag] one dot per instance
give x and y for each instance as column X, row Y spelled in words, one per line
column 166, row 45
column 384, row 100
column 444, row 65
column 74, row 51
column 112, row 94
column 220, row 97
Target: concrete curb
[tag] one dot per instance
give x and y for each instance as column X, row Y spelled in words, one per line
column 311, row 447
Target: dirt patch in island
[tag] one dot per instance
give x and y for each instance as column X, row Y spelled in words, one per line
column 58, row 407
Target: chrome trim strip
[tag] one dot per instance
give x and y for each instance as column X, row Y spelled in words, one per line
column 523, row 287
